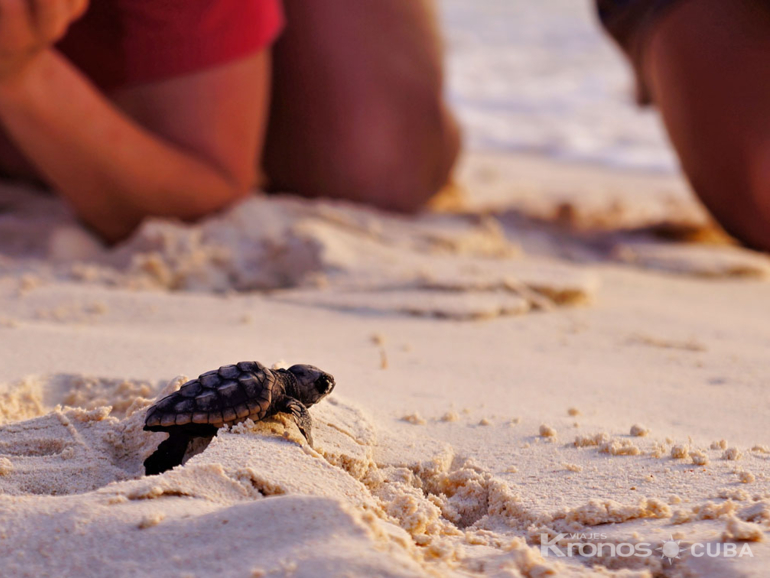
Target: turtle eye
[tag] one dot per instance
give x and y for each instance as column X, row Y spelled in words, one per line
column 324, row 384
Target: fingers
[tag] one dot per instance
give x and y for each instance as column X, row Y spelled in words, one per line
column 28, row 27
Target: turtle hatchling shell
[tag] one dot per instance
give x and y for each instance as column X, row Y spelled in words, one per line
column 226, row 395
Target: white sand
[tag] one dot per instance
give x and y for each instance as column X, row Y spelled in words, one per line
column 579, row 341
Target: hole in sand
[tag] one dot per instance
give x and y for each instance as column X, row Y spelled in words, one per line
column 50, row 448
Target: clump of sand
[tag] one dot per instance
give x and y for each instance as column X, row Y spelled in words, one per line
column 414, row 419
column 618, row 447
column 738, row 530
column 450, row 416
column 547, row 431
column 20, row 401
column 732, row 454
column 680, row 451
column 699, row 458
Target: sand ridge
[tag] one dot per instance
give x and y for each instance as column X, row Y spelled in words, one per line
column 454, row 266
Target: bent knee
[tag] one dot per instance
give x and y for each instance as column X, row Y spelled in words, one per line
column 392, row 149
column 753, row 226
column 738, row 197
column 398, row 160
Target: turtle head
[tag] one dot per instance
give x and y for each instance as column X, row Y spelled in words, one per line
column 312, row 383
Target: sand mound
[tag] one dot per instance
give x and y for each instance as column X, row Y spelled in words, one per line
column 308, row 509
column 456, row 266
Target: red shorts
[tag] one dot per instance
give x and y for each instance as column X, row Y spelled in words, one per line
column 124, row 42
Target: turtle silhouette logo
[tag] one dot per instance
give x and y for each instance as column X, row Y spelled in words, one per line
column 671, row 549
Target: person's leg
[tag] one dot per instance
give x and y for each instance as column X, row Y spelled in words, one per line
column 357, row 109
column 706, row 65
column 708, row 69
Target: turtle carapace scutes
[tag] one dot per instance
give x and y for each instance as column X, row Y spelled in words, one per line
column 229, row 395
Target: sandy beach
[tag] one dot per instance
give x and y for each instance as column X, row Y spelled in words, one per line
column 560, row 355
column 559, row 369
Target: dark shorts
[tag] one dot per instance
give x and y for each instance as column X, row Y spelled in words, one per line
column 627, row 19
column 629, row 22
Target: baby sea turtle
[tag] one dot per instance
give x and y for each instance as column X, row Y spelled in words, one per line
column 229, row 395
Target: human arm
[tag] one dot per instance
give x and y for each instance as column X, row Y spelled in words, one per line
column 182, row 147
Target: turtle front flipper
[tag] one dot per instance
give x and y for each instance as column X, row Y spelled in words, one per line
column 301, row 416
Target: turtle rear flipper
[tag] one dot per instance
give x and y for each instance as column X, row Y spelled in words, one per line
column 169, row 454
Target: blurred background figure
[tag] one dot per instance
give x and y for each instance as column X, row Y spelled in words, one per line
column 133, row 108
column 706, row 66
column 539, row 77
